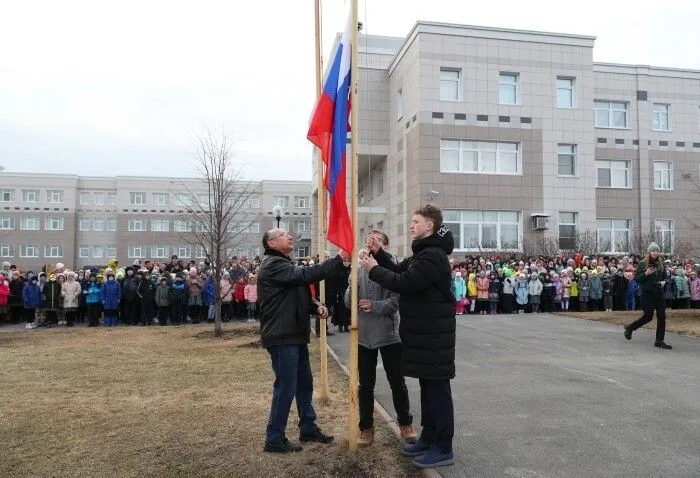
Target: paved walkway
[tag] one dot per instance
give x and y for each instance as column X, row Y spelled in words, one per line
column 549, row 396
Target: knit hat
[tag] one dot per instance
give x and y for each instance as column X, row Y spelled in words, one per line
column 653, row 247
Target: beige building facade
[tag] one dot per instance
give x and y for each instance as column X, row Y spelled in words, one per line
column 81, row 221
column 524, row 140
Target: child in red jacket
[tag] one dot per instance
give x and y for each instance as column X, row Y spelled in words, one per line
column 239, row 299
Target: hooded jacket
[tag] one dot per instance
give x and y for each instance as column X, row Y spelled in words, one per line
column 71, row 291
column 695, row 288
column 682, row 287
column 111, row 294
column 31, row 295
column 92, row 292
column 285, row 299
column 426, row 305
column 52, row 294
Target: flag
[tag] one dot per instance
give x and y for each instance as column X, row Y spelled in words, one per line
column 328, row 130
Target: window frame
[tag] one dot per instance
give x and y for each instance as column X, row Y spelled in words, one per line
column 661, row 233
column 164, row 222
column 461, row 246
column 84, row 221
column 573, row 153
column 95, row 249
column 655, row 113
column 101, row 226
column 85, row 199
column 10, row 223
column 611, row 161
column 111, row 225
column 160, row 199
column 515, row 83
column 131, row 252
column 572, row 89
column 23, row 247
column 611, row 113
column 51, row 255
column 285, row 200
column 136, row 194
column 27, row 192
column 480, row 156
column 575, row 225
column 613, row 230
column 86, row 255
column 23, row 227
column 132, row 225
column 668, row 172
column 399, row 104
column 112, row 249
column 50, row 193
column 452, row 81
column 59, row 227
column 8, row 248
column 10, row 195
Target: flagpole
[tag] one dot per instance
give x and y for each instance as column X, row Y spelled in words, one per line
column 354, row 128
column 321, row 212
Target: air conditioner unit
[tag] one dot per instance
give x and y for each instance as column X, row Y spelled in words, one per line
column 540, row 223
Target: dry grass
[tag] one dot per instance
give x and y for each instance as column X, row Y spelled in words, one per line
column 138, row 402
column 685, row 322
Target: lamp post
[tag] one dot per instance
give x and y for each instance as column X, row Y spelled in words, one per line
column 278, row 212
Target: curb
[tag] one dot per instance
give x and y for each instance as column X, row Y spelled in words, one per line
column 427, row 472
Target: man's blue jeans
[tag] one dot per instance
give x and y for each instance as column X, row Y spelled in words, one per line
column 292, row 379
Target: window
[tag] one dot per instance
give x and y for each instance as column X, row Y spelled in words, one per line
column 566, row 156
column 485, row 230
column 203, row 201
column 30, row 195
column 660, row 117
column 255, row 252
column 54, row 196
column 360, row 194
column 284, row 225
column 568, row 230
column 99, row 199
column 184, row 252
column 5, row 250
column 98, row 252
column 137, row 199
column 301, row 202
column 111, row 252
column 84, row 224
column 85, row 199
column 159, row 252
column 610, row 114
column 281, row 201
column 135, row 252
column 29, row 224
column 664, row 234
column 180, row 225
column 112, row 199
column 303, row 251
column 29, row 250
column 6, row 223
column 98, row 225
column 6, row 195
column 509, row 89
column 183, row 200
column 566, row 92
column 613, row 235
column 84, row 252
column 160, row 225
column 199, row 253
column 111, row 225
column 55, row 250
column 303, row 226
column 613, row 174
column 137, row 225
column 53, row 224
column 379, row 182
column 663, row 175
column 253, row 201
column 160, row 199
column 399, row 104
column 480, row 157
column 253, row 227
column 450, row 84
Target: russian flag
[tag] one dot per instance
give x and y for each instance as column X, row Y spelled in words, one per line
column 328, row 130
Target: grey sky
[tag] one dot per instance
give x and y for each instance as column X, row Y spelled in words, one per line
column 97, row 88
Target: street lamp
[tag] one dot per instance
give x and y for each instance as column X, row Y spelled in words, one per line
column 278, row 212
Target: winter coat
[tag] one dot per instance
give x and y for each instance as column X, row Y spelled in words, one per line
column 584, row 290
column 16, row 290
column 52, row 295
column 71, row 291
column 426, row 305
column 195, row 285
column 535, row 287
column 239, row 292
column 565, row 288
column 250, row 292
column 548, row 288
column 574, row 292
column 226, row 290
column 695, row 289
column 649, row 284
column 130, row 288
column 111, row 295
column 632, row 289
column 4, row 293
column 92, row 293
column 682, row 286
column 521, row 292
column 178, row 293
column 558, row 290
column 146, row 291
column 31, row 296
column 471, row 288
column 595, row 288
column 670, row 287
column 460, row 287
column 482, row 287
column 495, row 287
column 162, row 295
column 508, row 286
column 379, row 326
column 285, row 298
column 208, row 293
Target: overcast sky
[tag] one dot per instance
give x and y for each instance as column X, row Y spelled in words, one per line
column 98, row 88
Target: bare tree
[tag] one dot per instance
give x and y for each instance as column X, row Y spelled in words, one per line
column 219, row 215
column 692, row 221
column 587, row 242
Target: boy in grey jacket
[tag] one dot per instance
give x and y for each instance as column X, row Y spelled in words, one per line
column 379, row 332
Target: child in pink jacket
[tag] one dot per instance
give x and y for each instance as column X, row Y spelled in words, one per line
column 251, row 297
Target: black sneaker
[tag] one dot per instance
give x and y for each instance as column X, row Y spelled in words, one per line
column 317, row 436
column 662, row 345
column 284, row 446
column 628, row 333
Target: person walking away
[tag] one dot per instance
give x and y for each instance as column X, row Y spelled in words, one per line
column 427, row 328
column 379, row 334
column 651, row 277
column 285, row 328
column 92, row 293
column 71, row 292
column 250, row 293
column 111, row 298
column 535, row 288
column 682, row 289
column 31, row 298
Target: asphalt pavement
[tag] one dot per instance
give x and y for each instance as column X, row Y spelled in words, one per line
column 548, row 396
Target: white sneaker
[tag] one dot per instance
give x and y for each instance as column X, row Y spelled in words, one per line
column 28, row 326
column 250, row 321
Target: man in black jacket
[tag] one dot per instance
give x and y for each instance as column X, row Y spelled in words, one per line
column 427, row 328
column 285, row 308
